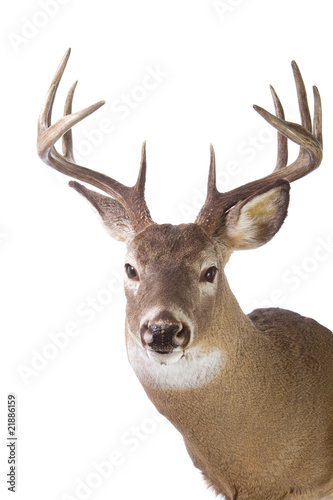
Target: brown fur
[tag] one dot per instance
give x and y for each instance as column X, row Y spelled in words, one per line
column 262, row 429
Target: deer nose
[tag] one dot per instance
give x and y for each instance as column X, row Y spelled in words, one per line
column 164, row 337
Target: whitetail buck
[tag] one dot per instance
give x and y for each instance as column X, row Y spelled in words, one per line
column 251, row 395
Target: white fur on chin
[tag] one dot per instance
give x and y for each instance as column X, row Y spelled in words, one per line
column 193, row 368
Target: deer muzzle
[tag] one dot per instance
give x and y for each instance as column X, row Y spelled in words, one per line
column 163, row 337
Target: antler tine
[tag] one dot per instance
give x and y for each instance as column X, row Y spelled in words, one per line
column 132, row 198
column 282, row 156
column 141, row 181
column 310, row 154
column 211, row 186
column 67, row 138
column 207, row 212
column 309, row 157
column 302, row 97
column 317, row 118
column 44, row 120
column 49, row 134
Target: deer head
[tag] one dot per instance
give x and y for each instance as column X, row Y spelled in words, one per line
column 177, row 293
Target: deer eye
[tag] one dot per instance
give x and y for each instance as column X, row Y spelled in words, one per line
column 131, row 272
column 209, row 274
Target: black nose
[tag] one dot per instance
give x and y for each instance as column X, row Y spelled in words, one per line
column 163, row 336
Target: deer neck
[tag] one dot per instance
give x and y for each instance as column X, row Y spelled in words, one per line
column 203, row 392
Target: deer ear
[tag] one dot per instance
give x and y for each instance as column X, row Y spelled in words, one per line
column 113, row 215
column 254, row 221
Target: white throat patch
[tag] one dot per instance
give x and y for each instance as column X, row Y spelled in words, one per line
column 195, row 369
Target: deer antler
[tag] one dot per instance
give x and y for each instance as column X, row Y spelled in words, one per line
column 132, row 198
column 309, row 157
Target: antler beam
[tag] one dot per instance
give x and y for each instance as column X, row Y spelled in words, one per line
column 309, row 157
column 132, row 198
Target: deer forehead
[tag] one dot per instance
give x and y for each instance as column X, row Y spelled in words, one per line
column 172, row 245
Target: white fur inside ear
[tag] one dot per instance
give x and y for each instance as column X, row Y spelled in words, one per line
column 252, row 223
column 117, row 224
column 111, row 213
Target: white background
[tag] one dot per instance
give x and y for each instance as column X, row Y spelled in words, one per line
column 213, row 62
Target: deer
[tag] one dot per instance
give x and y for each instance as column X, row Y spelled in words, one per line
column 251, row 394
